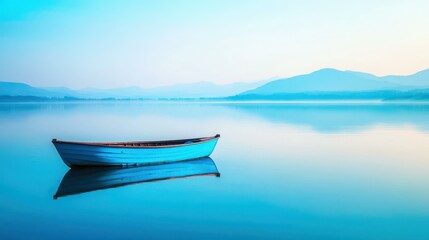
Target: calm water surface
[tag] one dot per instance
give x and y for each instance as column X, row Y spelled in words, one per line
column 288, row 171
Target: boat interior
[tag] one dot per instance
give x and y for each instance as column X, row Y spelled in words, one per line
column 144, row 143
column 153, row 144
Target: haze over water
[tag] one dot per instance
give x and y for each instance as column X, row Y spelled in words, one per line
column 288, row 170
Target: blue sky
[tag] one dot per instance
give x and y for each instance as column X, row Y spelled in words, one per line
column 103, row 43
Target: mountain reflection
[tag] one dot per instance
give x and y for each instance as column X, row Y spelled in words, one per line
column 337, row 116
column 320, row 116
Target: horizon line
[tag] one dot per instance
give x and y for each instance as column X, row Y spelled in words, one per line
column 214, row 83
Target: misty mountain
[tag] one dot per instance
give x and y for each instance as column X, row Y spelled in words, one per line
column 418, row 80
column 331, row 80
column 192, row 90
column 201, row 89
column 22, row 89
column 335, row 83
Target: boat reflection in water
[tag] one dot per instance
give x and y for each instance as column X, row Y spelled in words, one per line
column 81, row 180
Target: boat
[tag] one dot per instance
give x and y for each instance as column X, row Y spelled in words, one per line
column 79, row 154
column 82, row 180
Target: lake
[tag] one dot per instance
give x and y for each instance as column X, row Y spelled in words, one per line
column 288, row 171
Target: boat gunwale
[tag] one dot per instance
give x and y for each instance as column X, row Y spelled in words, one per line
column 118, row 144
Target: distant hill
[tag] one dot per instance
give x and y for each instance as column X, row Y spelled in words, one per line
column 201, row 89
column 192, row 90
column 22, row 89
column 420, row 79
column 328, row 80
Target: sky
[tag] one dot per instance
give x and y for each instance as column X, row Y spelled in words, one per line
column 107, row 43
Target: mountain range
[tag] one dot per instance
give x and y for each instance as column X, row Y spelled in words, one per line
column 332, row 80
column 193, row 90
column 318, row 84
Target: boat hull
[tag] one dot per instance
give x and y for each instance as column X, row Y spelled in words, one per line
column 95, row 155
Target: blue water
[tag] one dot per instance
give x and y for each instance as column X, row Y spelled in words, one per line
column 288, row 171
